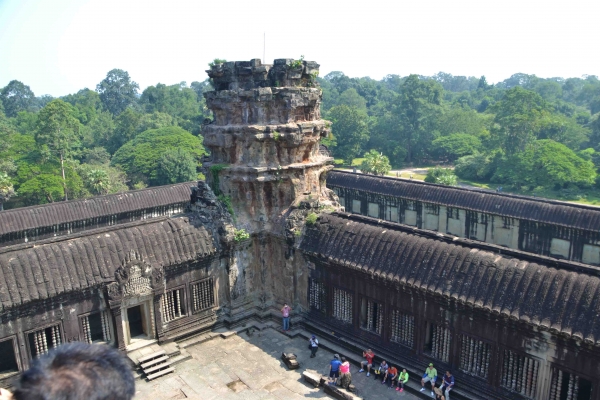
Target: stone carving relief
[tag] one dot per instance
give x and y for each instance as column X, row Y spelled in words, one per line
column 135, row 277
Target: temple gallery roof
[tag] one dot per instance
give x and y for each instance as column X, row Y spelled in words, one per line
column 64, row 212
column 561, row 300
column 521, row 207
column 52, row 267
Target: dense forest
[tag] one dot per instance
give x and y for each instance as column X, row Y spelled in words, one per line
column 525, row 132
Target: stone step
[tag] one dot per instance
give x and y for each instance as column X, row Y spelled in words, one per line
column 157, row 367
column 181, row 357
column 143, row 359
column 160, row 373
column 154, row 361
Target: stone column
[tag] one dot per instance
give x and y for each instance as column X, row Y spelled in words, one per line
column 118, row 323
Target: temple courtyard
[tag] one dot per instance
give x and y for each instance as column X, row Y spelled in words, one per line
column 249, row 367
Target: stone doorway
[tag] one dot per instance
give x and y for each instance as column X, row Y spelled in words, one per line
column 136, row 322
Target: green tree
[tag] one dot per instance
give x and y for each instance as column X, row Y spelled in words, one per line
column 139, row 157
column 16, row 97
column 517, row 120
column 419, row 109
column 6, row 189
column 58, row 130
column 176, row 165
column 117, row 91
column 351, row 98
column 351, row 131
column 455, row 146
column 442, row 176
column 375, row 163
column 548, row 164
column 474, row 167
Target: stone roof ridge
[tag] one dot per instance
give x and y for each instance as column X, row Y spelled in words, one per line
column 44, row 215
column 470, row 243
column 536, row 209
column 89, row 232
column 556, row 300
column 476, row 190
column 43, row 270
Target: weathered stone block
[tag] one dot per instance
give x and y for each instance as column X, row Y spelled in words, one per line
column 312, row 377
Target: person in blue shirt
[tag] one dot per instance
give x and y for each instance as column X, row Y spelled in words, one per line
column 447, row 384
column 334, row 369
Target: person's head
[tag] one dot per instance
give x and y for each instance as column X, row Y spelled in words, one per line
column 336, row 356
column 343, row 359
column 313, row 337
column 430, row 366
column 404, row 370
column 285, row 304
column 391, row 366
column 448, row 373
column 77, row 371
column 369, row 351
column 383, row 362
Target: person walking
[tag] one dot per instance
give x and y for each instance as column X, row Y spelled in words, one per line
column 402, row 379
column 345, row 375
column 369, row 356
column 334, row 369
column 313, row 345
column 285, row 312
column 430, row 375
column 447, row 384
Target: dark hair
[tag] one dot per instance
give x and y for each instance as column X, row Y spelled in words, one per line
column 343, row 358
column 77, row 371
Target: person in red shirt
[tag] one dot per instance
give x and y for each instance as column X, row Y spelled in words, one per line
column 369, row 356
column 391, row 375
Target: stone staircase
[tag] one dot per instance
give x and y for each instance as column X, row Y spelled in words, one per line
column 154, row 360
column 155, row 365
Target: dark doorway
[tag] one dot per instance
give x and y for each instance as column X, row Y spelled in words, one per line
column 136, row 325
column 8, row 360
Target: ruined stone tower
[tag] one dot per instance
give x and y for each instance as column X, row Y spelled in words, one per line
column 264, row 140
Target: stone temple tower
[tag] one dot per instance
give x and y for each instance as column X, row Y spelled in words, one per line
column 264, row 140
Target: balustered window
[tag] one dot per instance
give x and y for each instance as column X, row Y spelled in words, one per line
column 42, row 340
column 566, row 386
column 342, row 305
column 474, row 356
column 403, row 328
column 8, row 359
column 519, row 374
column 172, row 305
column 371, row 316
column 317, row 295
column 203, row 295
column 437, row 341
column 96, row 327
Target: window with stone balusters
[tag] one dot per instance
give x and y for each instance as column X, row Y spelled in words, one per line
column 474, row 356
column 519, row 374
column 371, row 316
column 172, row 305
column 96, row 327
column 342, row 305
column 568, row 386
column 403, row 327
column 317, row 295
column 43, row 340
column 437, row 341
column 203, row 295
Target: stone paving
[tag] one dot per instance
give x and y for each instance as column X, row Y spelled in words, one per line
column 242, row 367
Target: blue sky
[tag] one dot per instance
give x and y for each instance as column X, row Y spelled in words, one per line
column 60, row 46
